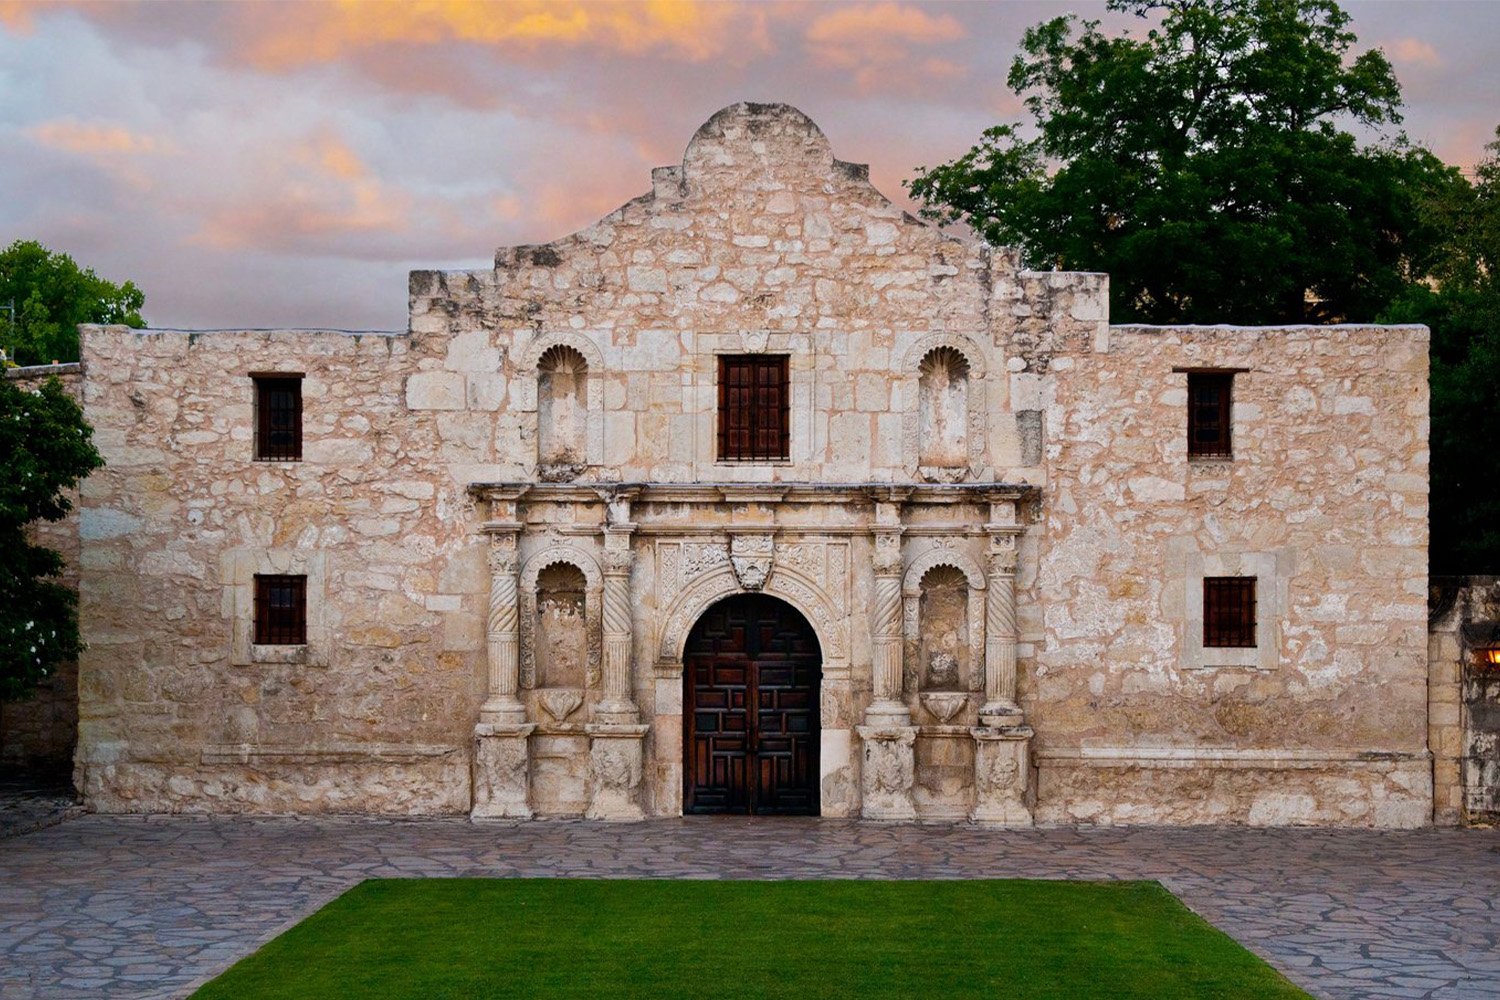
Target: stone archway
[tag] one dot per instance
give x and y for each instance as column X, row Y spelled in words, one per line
column 751, row 678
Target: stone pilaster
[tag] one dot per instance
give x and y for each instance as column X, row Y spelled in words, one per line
column 616, row 765
column 887, row 708
column 502, row 772
column 502, row 760
column 888, row 772
column 1000, row 632
column 503, row 706
column 1002, row 776
column 617, row 706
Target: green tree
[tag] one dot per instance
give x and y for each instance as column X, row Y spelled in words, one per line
column 1461, row 305
column 1204, row 166
column 45, row 449
column 52, row 295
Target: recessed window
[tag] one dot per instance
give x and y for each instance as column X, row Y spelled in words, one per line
column 281, row 610
column 1229, row 611
column 278, row 418
column 754, row 405
column 1209, row 423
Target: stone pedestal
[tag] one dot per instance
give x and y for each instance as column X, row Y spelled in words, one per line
column 616, row 764
column 502, row 772
column 889, row 771
column 1002, row 776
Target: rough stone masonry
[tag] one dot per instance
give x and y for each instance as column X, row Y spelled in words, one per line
column 940, row 556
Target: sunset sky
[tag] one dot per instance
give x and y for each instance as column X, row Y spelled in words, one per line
column 285, row 164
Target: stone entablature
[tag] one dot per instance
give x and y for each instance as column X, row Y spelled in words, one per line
column 517, row 515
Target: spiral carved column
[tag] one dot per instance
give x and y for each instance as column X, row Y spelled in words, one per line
column 887, row 708
column 617, row 705
column 502, row 706
column 1000, row 707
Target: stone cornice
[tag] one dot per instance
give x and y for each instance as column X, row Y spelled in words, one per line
column 789, row 492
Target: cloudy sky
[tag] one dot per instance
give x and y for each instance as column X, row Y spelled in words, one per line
column 285, row 164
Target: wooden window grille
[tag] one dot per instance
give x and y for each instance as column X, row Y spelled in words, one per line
column 754, row 407
column 1229, row 611
column 1209, row 421
column 281, row 610
column 278, row 418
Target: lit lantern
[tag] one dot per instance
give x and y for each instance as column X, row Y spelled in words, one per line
column 1491, row 655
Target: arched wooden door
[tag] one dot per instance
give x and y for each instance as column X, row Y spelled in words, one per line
column 750, row 710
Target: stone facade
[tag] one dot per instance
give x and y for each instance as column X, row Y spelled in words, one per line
column 512, row 516
column 1463, row 718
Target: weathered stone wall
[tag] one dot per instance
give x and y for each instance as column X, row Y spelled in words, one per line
column 1464, row 700
column 1325, row 500
column 39, row 733
column 760, row 241
column 178, row 715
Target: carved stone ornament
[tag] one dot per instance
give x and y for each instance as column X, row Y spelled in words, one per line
column 501, row 772
column 889, row 772
column 561, row 702
column 751, row 556
column 616, row 766
column 1002, row 772
column 502, row 558
column 887, row 552
column 944, row 704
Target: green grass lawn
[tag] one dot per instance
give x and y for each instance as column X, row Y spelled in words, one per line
column 539, row 938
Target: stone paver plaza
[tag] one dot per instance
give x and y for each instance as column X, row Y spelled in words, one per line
column 118, row 907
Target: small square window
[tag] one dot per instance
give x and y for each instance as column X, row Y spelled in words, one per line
column 1210, row 425
column 754, row 407
column 1229, row 611
column 281, row 610
column 278, row 418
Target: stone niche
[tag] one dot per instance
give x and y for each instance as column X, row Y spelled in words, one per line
column 943, row 631
column 562, row 643
column 943, row 414
column 562, row 414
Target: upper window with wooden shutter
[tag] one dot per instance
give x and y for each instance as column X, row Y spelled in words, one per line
column 1210, row 427
column 754, row 407
column 278, row 418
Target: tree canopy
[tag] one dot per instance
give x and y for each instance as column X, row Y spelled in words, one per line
column 52, row 295
column 1205, row 166
column 1461, row 305
column 46, row 447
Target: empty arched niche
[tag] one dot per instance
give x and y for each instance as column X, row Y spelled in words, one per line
column 561, row 635
column 943, row 409
column 943, row 649
column 562, row 413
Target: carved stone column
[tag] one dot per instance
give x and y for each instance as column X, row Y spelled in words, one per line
column 617, row 705
column 502, row 760
column 503, row 636
column 1000, row 707
column 616, row 743
column 889, row 762
column 1002, row 776
column 887, row 707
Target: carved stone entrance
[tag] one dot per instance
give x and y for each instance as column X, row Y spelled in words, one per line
column 750, row 733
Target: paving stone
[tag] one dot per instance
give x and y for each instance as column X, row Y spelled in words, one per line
column 149, row 907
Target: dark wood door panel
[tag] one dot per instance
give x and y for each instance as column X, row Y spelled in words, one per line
column 751, row 671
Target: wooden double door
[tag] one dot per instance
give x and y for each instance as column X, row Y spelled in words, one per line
column 750, row 719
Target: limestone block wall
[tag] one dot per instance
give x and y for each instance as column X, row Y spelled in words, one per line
column 1325, row 501
column 178, row 715
column 1464, row 700
column 759, row 242
column 914, row 358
